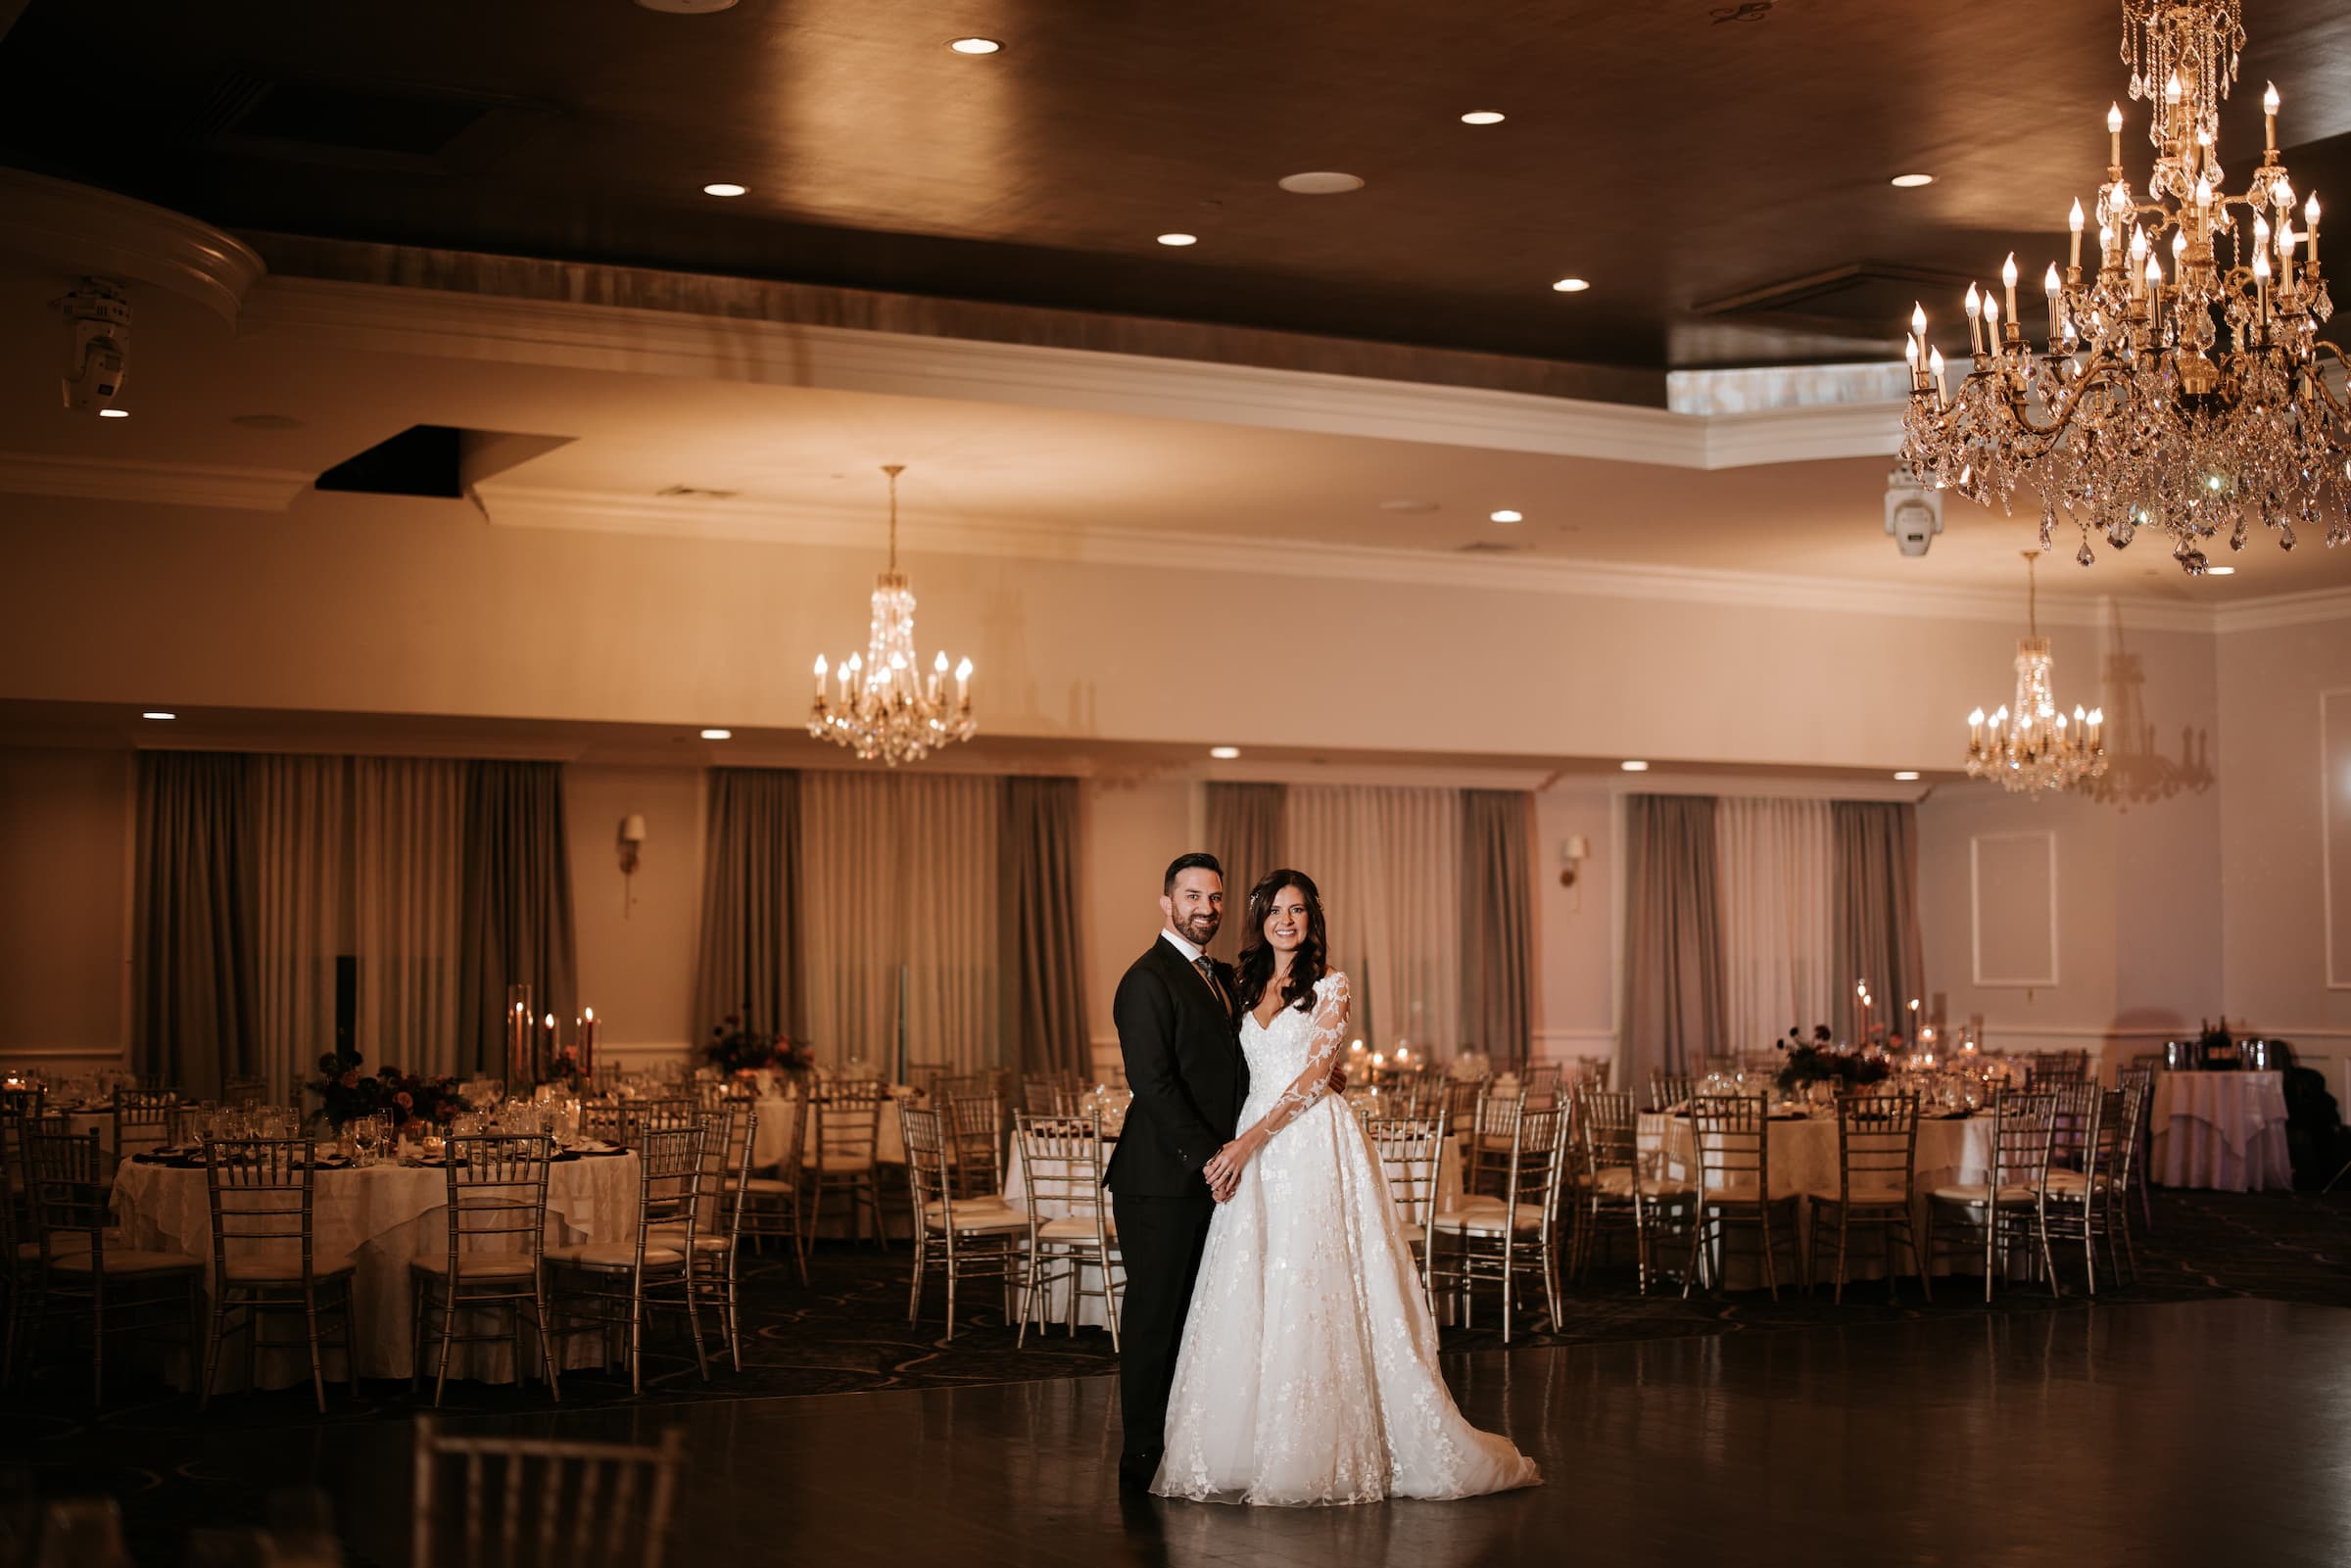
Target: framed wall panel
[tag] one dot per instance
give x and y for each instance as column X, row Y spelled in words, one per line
column 2012, row 885
column 2334, row 830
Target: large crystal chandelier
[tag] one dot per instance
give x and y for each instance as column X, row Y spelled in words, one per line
column 2030, row 747
column 2182, row 386
column 883, row 707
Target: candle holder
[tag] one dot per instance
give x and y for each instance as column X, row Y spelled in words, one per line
column 522, row 1060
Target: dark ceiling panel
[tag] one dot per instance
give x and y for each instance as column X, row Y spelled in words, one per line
column 1674, row 159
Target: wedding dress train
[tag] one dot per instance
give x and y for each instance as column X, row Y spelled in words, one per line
column 1308, row 1372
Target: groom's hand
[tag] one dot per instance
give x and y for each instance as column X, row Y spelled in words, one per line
column 1338, row 1077
column 1222, row 1172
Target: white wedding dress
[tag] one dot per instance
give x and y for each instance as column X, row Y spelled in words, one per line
column 1308, row 1372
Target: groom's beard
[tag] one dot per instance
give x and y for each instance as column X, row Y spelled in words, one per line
column 1199, row 929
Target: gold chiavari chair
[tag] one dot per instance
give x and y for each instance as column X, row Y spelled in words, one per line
column 987, row 1085
column 1733, row 1147
column 1540, row 1084
column 528, row 1502
column 977, row 1238
column 241, row 1092
column 1877, row 1175
column 1503, row 1240
column 772, row 1208
column 145, row 1121
column 495, row 1230
column 639, row 1117
column 601, row 1119
column 1461, row 1098
column 2015, row 1199
column 2139, row 1074
column 974, row 1129
column 19, row 1230
column 2082, row 1155
column 2048, row 1069
column 721, row 1192
column 1050, row 1094
column 1411, row 1155
column 611, row 1288
column 845, row 1134
column 1618, row 1190
column 1486, row 1154
column 265, row 1261
column 1667, row 1090
column 85, row 1264
column 1592, row 1072
column 924, row 1076
column 1069, row 1223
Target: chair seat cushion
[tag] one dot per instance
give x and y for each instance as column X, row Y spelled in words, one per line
column 254, row 1264
column 1616, row 1181
column 1413, row 1235
column 668, row 1236
column 1487, row 1216
column 981, row 1219
column 1076, row 1227
column 1973, row 1192
column 72, row 1241
column 1870, row 1197
column 770, row 1186
column 130, row 1261
column 2070, row 1183
column 475, row 1266
column 839, row 1165
column 608, row 1255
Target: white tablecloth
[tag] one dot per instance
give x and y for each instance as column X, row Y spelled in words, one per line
column 1804, row 1161
column 2220, row 1129
column 383, row 1216
column 777, row 1109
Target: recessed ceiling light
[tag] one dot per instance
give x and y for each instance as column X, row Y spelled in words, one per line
column 1634, row 766
column 974, row 46
column 1506, row 515
column 722, row 188
column 1482, row 117
column 2220, row 571
column 114, row 413
column 157, row 713
column 1320, row 182
column 1224, row 754
column 1179, row 239
column 1907, row 776
column 718, row 735
column 1570, row 286
column 1911, row 182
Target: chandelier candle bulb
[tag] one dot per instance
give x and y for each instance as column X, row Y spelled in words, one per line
column 2269, row 116
column 2310, row 229
column 2114, row 138
column 2073, row 223
column 2052, row 285
column 2008, row 284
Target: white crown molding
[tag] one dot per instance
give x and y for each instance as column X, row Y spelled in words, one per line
column 390, row 320
column 2309, row 608
column 706, row 518
column 79, row 229
column 165, row 483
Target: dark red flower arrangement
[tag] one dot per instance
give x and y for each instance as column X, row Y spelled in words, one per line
column 347, row 1094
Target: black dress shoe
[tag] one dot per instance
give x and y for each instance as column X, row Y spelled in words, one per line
column 1136, row 1471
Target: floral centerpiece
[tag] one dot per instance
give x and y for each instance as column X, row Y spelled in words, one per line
column 739, row 1050
column 566, row 1068
column 347, row 1094
column 1818, row 1063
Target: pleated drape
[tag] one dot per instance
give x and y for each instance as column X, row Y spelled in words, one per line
column 514, row 913
column 1877, row 936
column 193, row 975
column 299, row 852
column 1044, row 961
column 1498, row 919
column 1244, row 833
column 899, row 909
column 1673, row 1011
column 1775, row 862
column 746, row 957
column 1388, row 864
column 408, row 860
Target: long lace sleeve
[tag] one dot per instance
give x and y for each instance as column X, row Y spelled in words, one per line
column 1329, row 1026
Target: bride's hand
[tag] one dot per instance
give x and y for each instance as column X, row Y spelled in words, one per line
column 1223, row 1170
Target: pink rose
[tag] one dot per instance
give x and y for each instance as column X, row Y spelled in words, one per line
column 350, row 1079
column 404, row 1100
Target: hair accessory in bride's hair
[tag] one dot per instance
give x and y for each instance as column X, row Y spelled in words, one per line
column 1256, row 964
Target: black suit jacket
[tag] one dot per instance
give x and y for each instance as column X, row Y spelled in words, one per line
column 1184, row 1062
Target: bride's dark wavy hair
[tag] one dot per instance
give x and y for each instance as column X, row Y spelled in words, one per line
column 1257, row 954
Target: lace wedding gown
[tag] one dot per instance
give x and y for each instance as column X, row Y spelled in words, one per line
column 1308, row 1372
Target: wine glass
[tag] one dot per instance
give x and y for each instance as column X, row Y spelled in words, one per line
column 363, row 1138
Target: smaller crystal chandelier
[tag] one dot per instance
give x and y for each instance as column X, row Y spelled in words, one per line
column 882, row 708
column 2030, row 747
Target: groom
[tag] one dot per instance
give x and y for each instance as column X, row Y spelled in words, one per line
column 1178, row 1030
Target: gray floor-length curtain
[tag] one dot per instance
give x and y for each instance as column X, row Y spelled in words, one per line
column 193, row 973
column 1244, row 833
column 1044, row 964
column 300, row 851
column 1498, row 922
column 408, row 887
column 514, row 920
column 1673, row 997
column 1876, row 883
column 745, row 961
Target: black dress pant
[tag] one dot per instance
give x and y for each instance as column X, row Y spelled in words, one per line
column 1160, row 1241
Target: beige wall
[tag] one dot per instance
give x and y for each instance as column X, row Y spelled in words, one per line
column 637, row 935
column 65, row 839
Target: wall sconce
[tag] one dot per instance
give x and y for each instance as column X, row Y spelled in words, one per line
column 1574, row 850
column 632, row 840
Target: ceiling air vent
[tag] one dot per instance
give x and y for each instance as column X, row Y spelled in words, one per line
column 384, row 124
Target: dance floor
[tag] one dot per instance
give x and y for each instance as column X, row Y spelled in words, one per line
column 2190, row 1433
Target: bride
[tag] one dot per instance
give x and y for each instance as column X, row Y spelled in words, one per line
column 1308, row 1372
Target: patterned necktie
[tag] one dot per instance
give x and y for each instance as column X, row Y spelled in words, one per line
column 1208, row 972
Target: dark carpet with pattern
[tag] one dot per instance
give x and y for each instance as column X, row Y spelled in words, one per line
column 174, row 1468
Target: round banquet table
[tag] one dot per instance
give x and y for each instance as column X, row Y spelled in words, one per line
column 382, row 1217
column 1804, row 1161
column 777, row 1108
column 2225, row 1131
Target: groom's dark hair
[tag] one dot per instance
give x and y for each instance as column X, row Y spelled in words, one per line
column 1197, row 860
